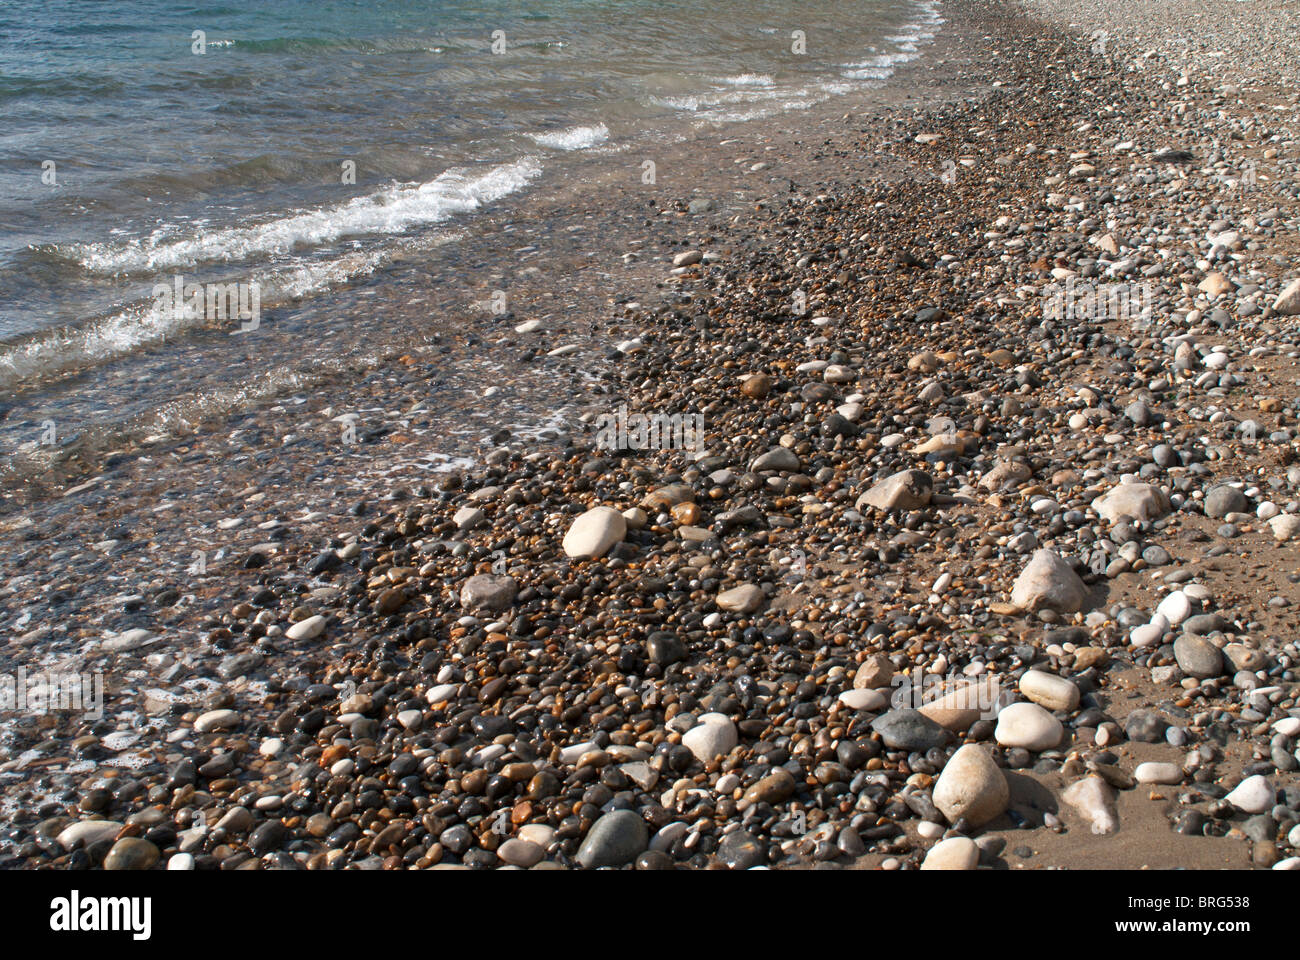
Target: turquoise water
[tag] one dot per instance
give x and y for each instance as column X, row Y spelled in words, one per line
column 300, row 148
column 168, row 160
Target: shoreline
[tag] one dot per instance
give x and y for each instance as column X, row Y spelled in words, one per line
column 358, row 698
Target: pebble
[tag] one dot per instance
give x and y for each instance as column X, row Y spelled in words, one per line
column 908, row 729
column 1253, row 795
column 216, row 720
column 131, row 853
column 971, row 787
column 1048, row 582
column 595, row 532
column 616, row 838
column 1094, row 799
column 713, row 737
column 745, row 598
column 1029, row 726
column 1049, row 691
column 1198, row 657
column 955, row 853
column 1153, row 772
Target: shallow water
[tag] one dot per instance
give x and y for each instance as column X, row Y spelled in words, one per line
column 132, row 164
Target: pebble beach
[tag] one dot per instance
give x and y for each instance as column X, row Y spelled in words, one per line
column 978, row 549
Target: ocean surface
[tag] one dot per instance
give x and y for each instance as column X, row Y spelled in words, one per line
column 283, row 152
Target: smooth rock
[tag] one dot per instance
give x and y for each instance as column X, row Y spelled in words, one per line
column 520, row 853
column 864, row 699
column 1198, row 657
column 1153, row 772
column 1288, row 301
column 909, row 729
column 1050, row 691
column 972, row 787
column 307, row 629
column 1138, row 501
column 594, row 533
column 1253, row 795
column 88, row 831
column 1285, row 526
column 955, row 853
column 131, row 853
column 216, row 720
column 745, row 598
column 957, row 709
column 740, row 851
column 488, row 593
column 1223, row 500
column 778, row 458
column 614, row 839
column 1029, row 726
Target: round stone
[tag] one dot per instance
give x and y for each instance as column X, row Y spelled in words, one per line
column 594, row 533
column 1029, row 726
column 1198, row 657
column 955, row 853
column 1049, row 690
column 613, row 840
column 131, row 853
column 1152, row 772
column 971, row 787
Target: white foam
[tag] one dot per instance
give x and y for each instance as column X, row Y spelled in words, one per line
column 749, row 80
column 119, row 740
column 145, row 322
column 395, row 209
column 574, row 138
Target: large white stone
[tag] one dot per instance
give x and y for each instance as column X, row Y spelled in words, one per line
column 957, row 709
column 907, row 490
column 1285, row 526
column 1152, row 772
column 215, row 720
column 1028, row 725
column 1253, row 795
column 955, row 853
column 714, row 736
column 864, row 699
column 89, row 831
column 971, row 786
column 1288, row 301
column 1287, row 726
column 1148, row 633
column 595, row 532
column 1048, row 690
column 1175, row 608
column 307, row 629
